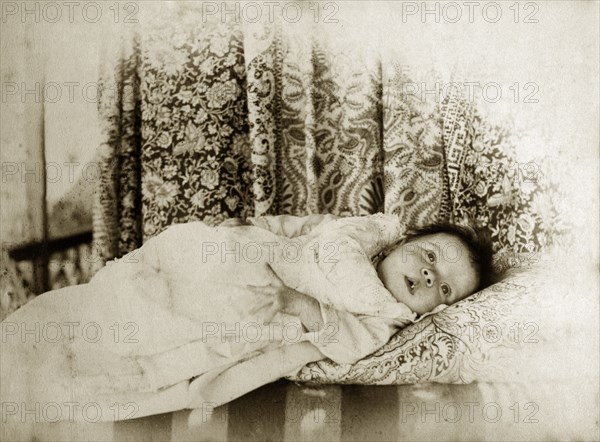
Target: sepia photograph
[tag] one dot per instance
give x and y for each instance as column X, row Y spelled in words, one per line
column 297, row 220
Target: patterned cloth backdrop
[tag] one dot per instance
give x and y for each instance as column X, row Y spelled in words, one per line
column 224, row 120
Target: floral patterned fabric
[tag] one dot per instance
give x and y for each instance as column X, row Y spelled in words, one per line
column 177, row 146
column 229, row 120
column 226, row 120
column 515, row 202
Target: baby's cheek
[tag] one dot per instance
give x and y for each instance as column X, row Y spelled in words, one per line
column 386, row 278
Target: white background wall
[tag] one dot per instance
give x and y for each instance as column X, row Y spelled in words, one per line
column 57, row 60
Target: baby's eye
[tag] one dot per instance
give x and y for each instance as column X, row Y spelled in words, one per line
column 445, row 289
column 431, row 257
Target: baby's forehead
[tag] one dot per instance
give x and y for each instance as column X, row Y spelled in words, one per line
column 444, row 238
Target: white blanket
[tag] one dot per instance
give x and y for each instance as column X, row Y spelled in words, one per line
column 172, row 325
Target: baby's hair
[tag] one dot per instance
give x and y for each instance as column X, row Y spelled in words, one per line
column 477, row 242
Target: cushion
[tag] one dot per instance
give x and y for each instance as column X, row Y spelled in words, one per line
column 499, row 334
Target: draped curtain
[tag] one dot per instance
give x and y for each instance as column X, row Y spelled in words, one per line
column 210, row 119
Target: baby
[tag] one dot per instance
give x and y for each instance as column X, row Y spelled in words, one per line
column 381, row 278
column 436, row 265
column 214, row 312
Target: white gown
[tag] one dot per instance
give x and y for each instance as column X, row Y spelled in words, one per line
column 171, row 325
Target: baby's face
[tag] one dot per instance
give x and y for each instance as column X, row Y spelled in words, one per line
column 429, row 271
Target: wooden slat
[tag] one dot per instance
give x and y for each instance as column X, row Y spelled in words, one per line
column 34, row 249
column 313, row 413
column 288, row 412
column 148, row 429
column 34, row 173
column 431, row 411
column 370, row 413
column 73, row 431
column 259, row 415
column 205, row 425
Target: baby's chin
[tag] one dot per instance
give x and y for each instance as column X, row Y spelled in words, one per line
column 398, row 296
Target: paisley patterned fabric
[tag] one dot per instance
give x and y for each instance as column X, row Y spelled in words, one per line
column 414, row 152
column 466, row 342
column 229, row 120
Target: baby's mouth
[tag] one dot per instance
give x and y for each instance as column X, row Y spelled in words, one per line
column 410, row 284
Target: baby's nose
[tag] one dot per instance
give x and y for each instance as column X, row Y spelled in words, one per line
column 427, row 277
